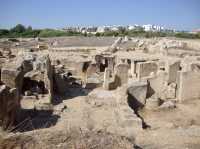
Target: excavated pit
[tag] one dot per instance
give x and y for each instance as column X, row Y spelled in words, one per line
column 135, row 105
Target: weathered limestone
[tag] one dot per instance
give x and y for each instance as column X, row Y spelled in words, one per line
column 48, row 78
column 6, row 53
column 9, row 105
column 188, row 85
column 153, row 102
column 119, row 78
column 191, row 66
column 133, row 68
column 157, row 83
column 93, row 68
column 111, row 62
column 106, row 80
column 169, row 91
column 76, row 67
column 138, row 90
column 28, row 65
column 145, row 69
column 167, row 105
column 172, row 67
column 93, row 81
column 121, row 74
column 12, row 77
column 195, row 67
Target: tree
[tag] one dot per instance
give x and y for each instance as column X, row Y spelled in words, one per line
column 29, row 29
column 98, row 34
column 19, row 28
column 4, row 32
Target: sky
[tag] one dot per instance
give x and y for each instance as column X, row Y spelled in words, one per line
column 174, row 14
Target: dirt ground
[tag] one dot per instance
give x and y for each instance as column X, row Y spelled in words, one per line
column 177, row 128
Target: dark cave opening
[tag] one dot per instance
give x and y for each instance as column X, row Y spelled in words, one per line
column 33, row 86
column 103, row 65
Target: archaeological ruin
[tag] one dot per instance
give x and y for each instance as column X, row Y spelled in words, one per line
column 131, row 87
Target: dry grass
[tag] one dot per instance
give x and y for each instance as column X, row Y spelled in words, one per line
column 74, row 139
column 20, row 142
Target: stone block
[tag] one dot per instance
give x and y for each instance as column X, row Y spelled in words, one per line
column 168, row 105
column 106, row 80
column 138, row 91
column 11, row 77
column 153, row 102
column 157, row 84
column 133, row 68
column 121, row 74
column 188, row 86
column 146, row 69
column 172, row 67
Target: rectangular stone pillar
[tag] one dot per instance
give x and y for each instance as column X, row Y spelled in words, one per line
column 133, row 68
column 106, row 79
column 172, row 68
column 111, row 62
column 121, row 74
column 188, row 85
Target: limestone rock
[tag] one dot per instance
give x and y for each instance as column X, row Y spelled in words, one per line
column 168, row 105
column 169, row 92
column 9, row 105
column 153, row 102
column 106, row 80
column 6, row 53
column 138, row 91
column 121, row 74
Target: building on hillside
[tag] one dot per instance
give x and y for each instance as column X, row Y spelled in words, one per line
column 102, row 29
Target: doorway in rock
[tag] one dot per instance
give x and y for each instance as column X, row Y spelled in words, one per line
column 33, row 86
column 103, row 65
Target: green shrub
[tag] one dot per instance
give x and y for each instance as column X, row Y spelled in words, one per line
column 186, row 35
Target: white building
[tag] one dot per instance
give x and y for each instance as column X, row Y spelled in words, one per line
column 148, row 27
column 114, row 28
column 154, row 28
column 131, row 27
column 102, row 29
column 91, row 29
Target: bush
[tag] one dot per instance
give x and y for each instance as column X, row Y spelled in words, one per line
column 4, row 32
column 31, row 33
column 50, row 33
column 98, row 34
column 186, row 35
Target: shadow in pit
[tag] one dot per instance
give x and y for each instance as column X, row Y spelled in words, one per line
column 32, row 119
column 136, row 106
column 136, row 146
column 73, row 90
